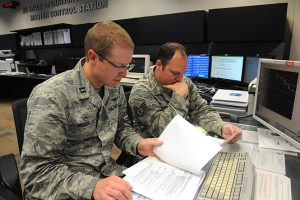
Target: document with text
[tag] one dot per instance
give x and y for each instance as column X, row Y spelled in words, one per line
column 272, row 186
column 184, row 147
column 179, row 173
column 268, row 139
column 270, row 160
column 157, row 180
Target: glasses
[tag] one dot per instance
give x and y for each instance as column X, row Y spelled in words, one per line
column 128, row 67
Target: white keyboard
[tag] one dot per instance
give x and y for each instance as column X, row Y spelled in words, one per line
column 231, row 177
column 134, row 76
column 129, row 80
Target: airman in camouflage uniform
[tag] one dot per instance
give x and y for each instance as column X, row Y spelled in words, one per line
column 164, row 92
column 73, row 120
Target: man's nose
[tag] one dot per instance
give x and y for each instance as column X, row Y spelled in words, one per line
column 179, row 78
column 124, row 73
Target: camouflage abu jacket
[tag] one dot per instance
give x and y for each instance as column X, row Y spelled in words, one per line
column 69, row 135
column 154, row 107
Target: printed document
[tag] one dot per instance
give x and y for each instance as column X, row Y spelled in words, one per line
column 269, row 140
column 178, row 175
column 157, row 180
column 184, row 147
column 270, row 160
column 272, row 186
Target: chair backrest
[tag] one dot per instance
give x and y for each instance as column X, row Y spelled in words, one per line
column 19, row 108
column 10, row 187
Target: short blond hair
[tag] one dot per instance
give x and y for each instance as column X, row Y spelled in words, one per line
column 104, row 36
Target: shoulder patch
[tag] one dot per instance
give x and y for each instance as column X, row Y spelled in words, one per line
column 142, row 110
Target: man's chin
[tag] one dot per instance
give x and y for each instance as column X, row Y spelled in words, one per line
column 113, row 83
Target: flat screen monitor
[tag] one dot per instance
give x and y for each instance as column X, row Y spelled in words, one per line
column 277, row 98
column 142, row 64
column 251, row 66
column 197, row 66
column 227, row 67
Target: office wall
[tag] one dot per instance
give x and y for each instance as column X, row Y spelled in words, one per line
column 122, row 9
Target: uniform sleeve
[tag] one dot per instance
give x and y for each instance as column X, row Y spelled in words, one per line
column 126, row 139
column 43, row 173
column 203, row 114
column 150, row 118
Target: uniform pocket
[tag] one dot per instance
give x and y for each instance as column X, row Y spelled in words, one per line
column 81, row 126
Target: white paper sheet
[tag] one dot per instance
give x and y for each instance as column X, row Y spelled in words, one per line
column 181, row 140
column 249, row 136
column 236, row 147
column 269, row 160
column 271, row 141
column 272, row 186
column 157, row 180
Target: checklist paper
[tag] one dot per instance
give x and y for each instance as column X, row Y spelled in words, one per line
column 272, row 186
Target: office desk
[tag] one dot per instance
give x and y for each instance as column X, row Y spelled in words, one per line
column 292, row 166
column 292, row 171
column 19, row 86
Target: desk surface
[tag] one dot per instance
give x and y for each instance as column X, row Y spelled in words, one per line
column 28, row 76
column 293, row 172
column 292, row 167
column 19, row 86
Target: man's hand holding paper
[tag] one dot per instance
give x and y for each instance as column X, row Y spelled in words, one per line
column 228, row 130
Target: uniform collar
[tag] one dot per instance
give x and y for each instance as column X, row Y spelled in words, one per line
column 83, row 86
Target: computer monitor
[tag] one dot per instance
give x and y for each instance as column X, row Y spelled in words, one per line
column 197, row 66
column 227, row 67
column 142, row 64
column 251, row 66
column 277, row 98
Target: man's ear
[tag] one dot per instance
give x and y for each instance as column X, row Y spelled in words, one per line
column 91, row 56
column 159, row 65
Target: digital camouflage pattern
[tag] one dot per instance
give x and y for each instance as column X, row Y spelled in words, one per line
column 153, row 107
column 69, row 135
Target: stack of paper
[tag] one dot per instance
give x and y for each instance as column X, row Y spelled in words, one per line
column 180, row 175
column 231, row 98
column 269, row 140
column 157, row 180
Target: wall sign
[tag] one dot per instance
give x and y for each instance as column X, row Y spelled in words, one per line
column 53, row 8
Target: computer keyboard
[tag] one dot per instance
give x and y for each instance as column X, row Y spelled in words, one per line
column 204, row 88
column 134, row 76
column 231, row 176
column 129, row 80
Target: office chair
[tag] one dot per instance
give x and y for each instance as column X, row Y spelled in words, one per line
column 19, row 108
column 10, row 187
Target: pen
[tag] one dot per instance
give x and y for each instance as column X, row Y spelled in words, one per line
column 231, row 137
